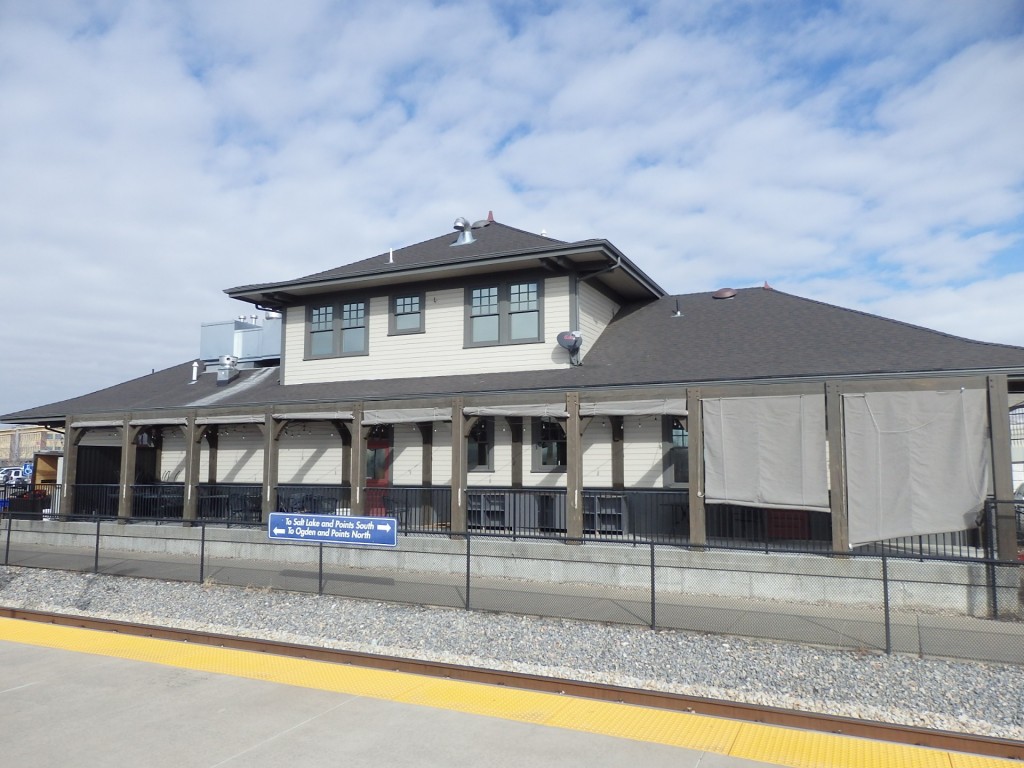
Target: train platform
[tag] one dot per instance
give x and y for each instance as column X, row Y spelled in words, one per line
column 81, row 697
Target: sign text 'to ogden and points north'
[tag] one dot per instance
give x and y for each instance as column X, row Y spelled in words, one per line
column 336, row 529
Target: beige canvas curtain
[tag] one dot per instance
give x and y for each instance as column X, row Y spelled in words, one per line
column 916, row 462
column 766, row 452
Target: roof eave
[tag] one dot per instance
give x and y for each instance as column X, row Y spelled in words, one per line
column 275, row 295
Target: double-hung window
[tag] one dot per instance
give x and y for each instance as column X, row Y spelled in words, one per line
column 337, row 329
column 406, row 314
column 321, row 331
column 504, row 313
column 549, row 445
column 480, row 446
column 677, row 457
column 353, row 328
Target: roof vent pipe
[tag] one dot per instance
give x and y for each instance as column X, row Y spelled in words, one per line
column 195, row 371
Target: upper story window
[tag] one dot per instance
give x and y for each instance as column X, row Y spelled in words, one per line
column 549, row 445
column 353, row 328
column 321, row 331
column 504, row 313
column 337, row 329
column 406, row 314
column 480, row 446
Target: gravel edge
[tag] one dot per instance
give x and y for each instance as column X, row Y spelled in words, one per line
column 969, row 697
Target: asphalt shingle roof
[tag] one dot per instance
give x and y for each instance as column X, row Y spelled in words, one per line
column 758, row 336
column 493, row 240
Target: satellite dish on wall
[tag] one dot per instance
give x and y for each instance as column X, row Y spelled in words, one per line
column 570, row 340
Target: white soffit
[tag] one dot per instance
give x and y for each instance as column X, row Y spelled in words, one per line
column 670, row 407
column 406, row 415
column 176, row 421
column 315, row 416
column 242, row 419
column 553, row 410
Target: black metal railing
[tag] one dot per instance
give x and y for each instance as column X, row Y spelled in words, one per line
column 314, row 499
column 96, row 499
column 163, row 500
column 230, row 503
column 423, row 508
column 31, row 502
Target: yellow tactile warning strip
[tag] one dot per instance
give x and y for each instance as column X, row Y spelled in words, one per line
column 751, row 741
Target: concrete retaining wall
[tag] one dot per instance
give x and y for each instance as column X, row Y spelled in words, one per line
column 948, row 587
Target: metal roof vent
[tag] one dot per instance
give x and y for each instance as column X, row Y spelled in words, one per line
column 724, row 293
column 466, row 229
column 227, row 370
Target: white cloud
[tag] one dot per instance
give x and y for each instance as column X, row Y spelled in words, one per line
column 152, row 154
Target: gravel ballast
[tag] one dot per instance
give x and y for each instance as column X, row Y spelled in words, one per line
column 949, row 695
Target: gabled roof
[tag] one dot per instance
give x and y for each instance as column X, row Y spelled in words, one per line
column 495, row 248
column 760, row 336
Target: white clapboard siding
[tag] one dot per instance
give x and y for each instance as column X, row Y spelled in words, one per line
column 172, row 457
column 240, row 455
column 407, row 455
column 597, row 454
column 442, row 454
column 437, row 352
column 310, row 453
column 643, row 452
column 596, row 311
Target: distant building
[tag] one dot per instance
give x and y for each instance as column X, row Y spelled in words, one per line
column 20, row 444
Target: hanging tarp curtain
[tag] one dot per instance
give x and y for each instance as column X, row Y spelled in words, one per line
column 406, row 415
column 97, row 424
column 178, row 421
column 766, row 452
column 315, row 416
column 672, row 407
column 243, row 419
column 552, row 410
column 916, row 462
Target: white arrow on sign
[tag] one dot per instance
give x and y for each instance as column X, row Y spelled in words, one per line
column 384, row 527
column 279, row 531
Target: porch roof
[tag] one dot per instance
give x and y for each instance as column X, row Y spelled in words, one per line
column 760, row 336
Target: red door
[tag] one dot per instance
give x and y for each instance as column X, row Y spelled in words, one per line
column 378, row 475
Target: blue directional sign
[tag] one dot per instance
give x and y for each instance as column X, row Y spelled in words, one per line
column 334, row 529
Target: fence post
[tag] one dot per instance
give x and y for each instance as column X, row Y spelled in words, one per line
column 991, row 554
column 654, row 623
column 202, row 552
column 469, row 538
column 885, row 598
column 7, row 547
column 96, row 553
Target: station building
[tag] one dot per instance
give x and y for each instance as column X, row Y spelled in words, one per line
column 495, row 379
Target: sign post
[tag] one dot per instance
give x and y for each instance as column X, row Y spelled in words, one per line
column 334, row 529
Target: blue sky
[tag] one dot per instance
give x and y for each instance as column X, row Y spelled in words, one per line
column 867, row 154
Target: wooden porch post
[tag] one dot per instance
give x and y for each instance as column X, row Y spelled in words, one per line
column 837, row 467
column 358, row 460
column 573, row 470
column 695, row 427
column 272, row 429
column 1002, row 468
column 72, row 437
column 128, row 435
column 193, row 452
column 460, row 474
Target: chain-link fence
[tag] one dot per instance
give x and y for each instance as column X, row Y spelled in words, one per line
column 970, row 608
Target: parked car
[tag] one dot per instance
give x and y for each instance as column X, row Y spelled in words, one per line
column 15, row 476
